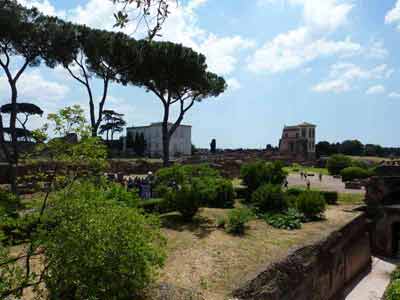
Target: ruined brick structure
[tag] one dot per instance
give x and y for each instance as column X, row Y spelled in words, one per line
column 298, row 141
column 383, row 209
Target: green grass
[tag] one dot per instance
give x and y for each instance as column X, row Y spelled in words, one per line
column 351, row 199
column 297, row 169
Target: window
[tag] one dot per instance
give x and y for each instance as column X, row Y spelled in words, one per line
column 303, row 132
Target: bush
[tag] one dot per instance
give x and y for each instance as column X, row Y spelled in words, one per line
column 351, row 173
column 294, row 191
column 9, row 203
column 393, row 291
column 257, row 174
column 311, row 204
column 225, row 194
column 185, row 200
column 289, row 221
column 112, row 251
column 269, row 198
column 336, row 163
column 330, row 197
column 184, row 174
column 237, row 219
column 155, row 206
column 119, row 193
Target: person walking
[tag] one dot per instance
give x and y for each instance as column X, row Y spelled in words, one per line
column 308, row 184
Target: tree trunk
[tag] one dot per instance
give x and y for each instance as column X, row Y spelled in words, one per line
column 165, row 136
column 13, row 163
column 166, row 140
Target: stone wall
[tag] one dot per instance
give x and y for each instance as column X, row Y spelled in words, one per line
column 316, row 272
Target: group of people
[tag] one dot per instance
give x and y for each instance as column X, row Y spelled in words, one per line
column 306, row 176
column 143, row 185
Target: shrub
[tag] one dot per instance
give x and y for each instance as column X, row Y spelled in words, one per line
column 330, row 197
column 336, row 163
column 225, row 194
column 112, row 252
column 237, row 219
column 311, row 204
column 294, row 191
column 9, row 203
column 351, row 173
column 289, row 221
column 186, row 201
column 184, row 174
column 156, row 205
column 221, row 221
column 393, row 291
column 257, row 174
column 269, row 198
column 118, row 193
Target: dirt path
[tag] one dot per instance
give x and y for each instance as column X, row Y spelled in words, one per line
column 373, row 285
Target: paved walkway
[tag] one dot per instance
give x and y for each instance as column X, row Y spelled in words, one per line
column 328, row 183
column 373, row 285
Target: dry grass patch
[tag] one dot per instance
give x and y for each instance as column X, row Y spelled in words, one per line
column 213, row 262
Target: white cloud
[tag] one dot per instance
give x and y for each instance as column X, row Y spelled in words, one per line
column 233, row 84
column 394, row 95
column 393, row 16
column 296, row 48
column 376, row 90
column 377, row 50
column 343, row 77
column 44, row 6
column 32, row 86
column 324, row 15
column 336, row 86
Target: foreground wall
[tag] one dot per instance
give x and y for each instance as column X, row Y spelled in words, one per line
column 316, row 272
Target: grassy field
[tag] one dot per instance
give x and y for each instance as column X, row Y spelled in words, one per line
column 351, row 199
column 205, row 258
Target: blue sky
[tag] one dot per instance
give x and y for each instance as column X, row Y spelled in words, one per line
column 334, row 63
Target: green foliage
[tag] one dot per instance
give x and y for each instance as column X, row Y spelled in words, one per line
column 156, row 206
column 290, row 220
column 311, row 204
column 185, row 200
column 184, row 174
column 336, row 163
column 237, row 219
column 259, row 173
column 393, row 291
column 214, row 191
column 117, row 192
column 330, row 197
column 351, row 173
column 269, row 198
column 294, row 191
column 112, row 251
column 9, row 203
column 221, row 222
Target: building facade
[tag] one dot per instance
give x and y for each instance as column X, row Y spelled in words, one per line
column 180, row 143
column 298, row 141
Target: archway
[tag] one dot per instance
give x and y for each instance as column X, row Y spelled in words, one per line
column 396, row 239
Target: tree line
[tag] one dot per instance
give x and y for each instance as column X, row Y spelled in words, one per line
column 356, row 148
column 176, row 75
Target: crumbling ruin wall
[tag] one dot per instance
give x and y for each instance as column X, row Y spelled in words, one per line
column 316, row 272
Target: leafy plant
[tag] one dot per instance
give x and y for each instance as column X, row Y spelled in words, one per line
column 336, row 163
column 290, row 220
column 185, row 200
column 311, row 204
column 269, row 198
column 237, row 219
column 112, row 251
column 259, row 173
column 351, row 173
column 393, row 291
column 330, row 197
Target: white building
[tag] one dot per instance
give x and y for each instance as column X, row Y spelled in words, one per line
column 180, row 143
